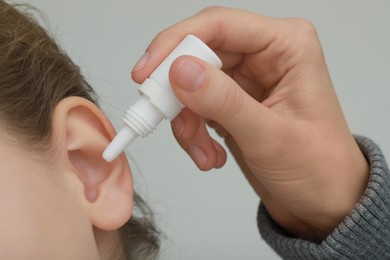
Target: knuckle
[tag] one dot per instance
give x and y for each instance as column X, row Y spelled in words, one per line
column 304, row 27
column 303, row 37
column 212, row 9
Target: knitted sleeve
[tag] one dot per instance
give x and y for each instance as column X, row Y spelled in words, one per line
column 364, row 234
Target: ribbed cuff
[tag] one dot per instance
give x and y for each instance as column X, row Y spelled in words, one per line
column 364, row 234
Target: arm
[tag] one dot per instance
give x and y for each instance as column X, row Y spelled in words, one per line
column 363, row 234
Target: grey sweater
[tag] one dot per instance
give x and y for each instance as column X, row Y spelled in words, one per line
column 364, row 234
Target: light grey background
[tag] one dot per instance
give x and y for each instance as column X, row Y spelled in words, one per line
column 212, row 215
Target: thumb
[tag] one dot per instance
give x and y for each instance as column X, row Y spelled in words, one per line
column 212, row 94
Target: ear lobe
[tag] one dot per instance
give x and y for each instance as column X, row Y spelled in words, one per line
column 84, row 133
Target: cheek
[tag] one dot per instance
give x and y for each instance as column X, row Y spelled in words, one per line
column 37, row 219
column 20, row 221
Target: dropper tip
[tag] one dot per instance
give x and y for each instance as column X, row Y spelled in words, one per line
column 109, row 154
column 125, row 136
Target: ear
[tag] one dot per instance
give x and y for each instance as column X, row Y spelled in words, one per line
column 81, row 133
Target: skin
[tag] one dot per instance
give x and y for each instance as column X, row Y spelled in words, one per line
column 52, row 208
column 275, row 105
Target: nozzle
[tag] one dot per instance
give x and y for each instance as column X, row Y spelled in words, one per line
column 140, row 120
column 125, row 136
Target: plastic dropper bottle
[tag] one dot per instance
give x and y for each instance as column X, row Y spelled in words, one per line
column 157, row 99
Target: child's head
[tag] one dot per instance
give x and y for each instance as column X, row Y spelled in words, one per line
column 59, row 198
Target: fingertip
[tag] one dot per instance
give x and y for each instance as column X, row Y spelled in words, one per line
column 187, row 73
column 208, row 156
column 141, row 63
column 140, row 76
column 138, row 71
column 199, row 156
column 221, row 155
column 159, row 48
column 145, row 66
column 178, row 125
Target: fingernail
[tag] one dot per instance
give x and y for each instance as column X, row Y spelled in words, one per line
column 198, row 155
column 178, row 125
column 190, row 75
column 141, row 62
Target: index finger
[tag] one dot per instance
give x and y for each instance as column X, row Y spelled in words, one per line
column 222, row 29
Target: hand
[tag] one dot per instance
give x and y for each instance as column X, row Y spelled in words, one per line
column 274, row 102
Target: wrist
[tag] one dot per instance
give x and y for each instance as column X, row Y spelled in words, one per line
column 345, row 186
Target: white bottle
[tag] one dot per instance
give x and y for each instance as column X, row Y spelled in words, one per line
column 157, row 99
